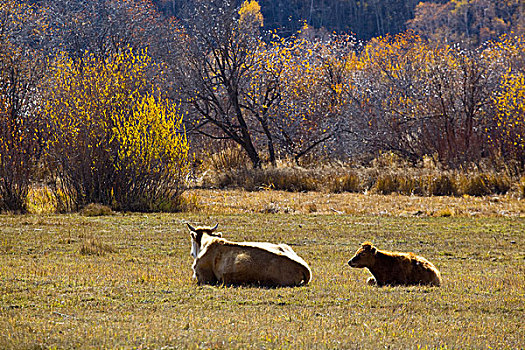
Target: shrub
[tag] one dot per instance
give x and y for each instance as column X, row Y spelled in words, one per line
column 501, row 183
column 409, row 184
column 19, row 154
column 485, row 184
column 510, row 116
column 228, row 158
column 116, row 141
column 405, row 181
column 401, row 183
column 285, row 179
column 476, row 185
column 290, row 179
column 94, row 209
column 152, row 159
column 41, row 199
column 385, row 184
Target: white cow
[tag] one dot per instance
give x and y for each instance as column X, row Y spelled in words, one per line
column 218, row 260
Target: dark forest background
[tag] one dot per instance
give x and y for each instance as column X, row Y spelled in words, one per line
column 475, row 20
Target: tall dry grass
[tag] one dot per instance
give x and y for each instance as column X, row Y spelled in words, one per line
column 386, row 174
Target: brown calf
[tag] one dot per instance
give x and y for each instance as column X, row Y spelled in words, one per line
column 393, row 268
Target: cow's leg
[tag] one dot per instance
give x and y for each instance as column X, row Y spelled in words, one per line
column 205, row 276
column 229, row 279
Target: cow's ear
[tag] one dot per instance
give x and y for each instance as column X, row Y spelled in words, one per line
column 193, row 235
column 367, row 246
column 219, row 234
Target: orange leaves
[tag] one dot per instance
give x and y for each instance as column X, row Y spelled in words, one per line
column 313, row 84
column 441, row 99
column 508, row 56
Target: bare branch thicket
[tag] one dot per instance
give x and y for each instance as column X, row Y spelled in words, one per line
column 23, row 131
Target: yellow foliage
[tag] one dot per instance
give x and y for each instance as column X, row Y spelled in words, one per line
column 110, row 124
column 155, row 134
column 251, row 12
column 510, row 105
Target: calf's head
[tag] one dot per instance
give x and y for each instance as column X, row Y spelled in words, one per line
column 196, row 237
column 364, row 257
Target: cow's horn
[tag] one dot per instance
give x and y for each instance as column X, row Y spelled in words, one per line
column 190, row 227
column 214, row 227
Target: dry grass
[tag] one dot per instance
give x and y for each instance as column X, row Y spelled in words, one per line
column 228, row 168
column 240, row 201
column 93, row 246
column 141, row 294
column 95, row 209
column 377, row 179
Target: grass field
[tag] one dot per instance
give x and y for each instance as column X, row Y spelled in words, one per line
column 124, row 280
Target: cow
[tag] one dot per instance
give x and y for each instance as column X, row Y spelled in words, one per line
column 220, row 261
column 394, row 268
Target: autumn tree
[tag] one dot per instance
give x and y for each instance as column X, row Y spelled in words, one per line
column 219, row 73
column 313, row 85
column 423, row 99
column 510, row 117
column 101, row 27
column 366, row 18
column 507, row 132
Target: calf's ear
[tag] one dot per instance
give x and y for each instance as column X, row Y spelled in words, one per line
column 367, row 245
column 373, row 250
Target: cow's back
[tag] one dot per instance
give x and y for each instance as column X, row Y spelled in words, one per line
column 424, row 272
column 247, row 264
column 392, row 268
column 417, row 270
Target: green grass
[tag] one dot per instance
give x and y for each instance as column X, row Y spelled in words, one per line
column 135, row 290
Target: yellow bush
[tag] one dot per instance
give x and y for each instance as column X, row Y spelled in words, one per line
column 116, row 141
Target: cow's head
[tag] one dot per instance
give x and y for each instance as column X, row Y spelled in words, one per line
column 196, row 237
column 364, row 257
